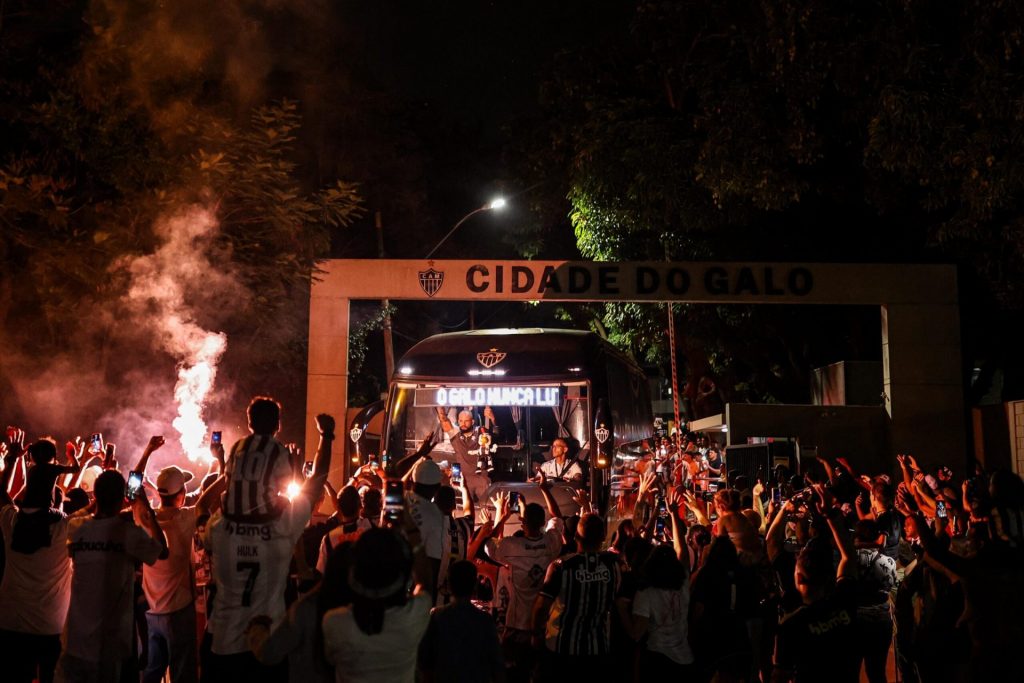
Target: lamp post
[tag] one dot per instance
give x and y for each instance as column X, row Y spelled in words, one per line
column 494, row 204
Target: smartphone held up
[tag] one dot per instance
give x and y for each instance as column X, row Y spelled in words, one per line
column 394, row 501
column 134, row 489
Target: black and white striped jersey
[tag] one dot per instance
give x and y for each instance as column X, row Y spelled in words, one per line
column 258, row 470
column 583, row 587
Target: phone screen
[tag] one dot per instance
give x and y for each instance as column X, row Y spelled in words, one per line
column 96, row 443
column 777, row 495
column 393, row 500
column 215, row 437
column 456, row 473
column 307, row 468
column 134, row 485
column 659, row 526
column 940, row 509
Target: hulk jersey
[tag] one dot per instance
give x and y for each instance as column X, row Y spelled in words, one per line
column 250, row 565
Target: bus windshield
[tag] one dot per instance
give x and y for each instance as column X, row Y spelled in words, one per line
column 526, row 419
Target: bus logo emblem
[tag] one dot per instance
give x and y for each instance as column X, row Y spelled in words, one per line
column 489, row 359
column 602, row 434
column 431, row 280
column 355, row 434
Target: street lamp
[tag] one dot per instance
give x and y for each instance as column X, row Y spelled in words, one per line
column 494, row 205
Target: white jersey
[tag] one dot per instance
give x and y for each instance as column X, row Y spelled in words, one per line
column 250, row 567
column 527, row 560
column 430, row 521
column 258, row 470
column 36, row 587
column 103, row 553
column 569, row 470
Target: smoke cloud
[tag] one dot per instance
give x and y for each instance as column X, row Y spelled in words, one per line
column 146, row 351
column 158, row 293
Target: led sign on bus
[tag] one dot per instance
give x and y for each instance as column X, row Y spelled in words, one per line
column 488, row 396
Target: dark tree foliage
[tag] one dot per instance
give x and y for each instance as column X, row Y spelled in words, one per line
column 103, row 136
column 796, row 131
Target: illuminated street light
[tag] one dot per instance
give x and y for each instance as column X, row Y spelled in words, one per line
column 495, row 204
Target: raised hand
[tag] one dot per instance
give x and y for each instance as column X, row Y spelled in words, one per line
column 825, row 499
column 647, row 480
column 758, row 488
column 16, row 438
column 217, row 451
column 325, row 425
column 582, row 499
column 109, row 461
column 155, row 442
column 905, row 496
column 500, row 502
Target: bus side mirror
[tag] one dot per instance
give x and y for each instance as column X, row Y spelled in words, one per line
column 604, row 440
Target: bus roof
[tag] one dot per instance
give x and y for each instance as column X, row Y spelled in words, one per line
column 510, row 354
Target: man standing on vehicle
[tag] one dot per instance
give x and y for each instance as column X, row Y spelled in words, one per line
column 470, row 453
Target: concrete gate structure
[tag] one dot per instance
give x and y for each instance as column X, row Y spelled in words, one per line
column 922, row 374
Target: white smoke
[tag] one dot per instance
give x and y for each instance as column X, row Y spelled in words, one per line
column 159, row 289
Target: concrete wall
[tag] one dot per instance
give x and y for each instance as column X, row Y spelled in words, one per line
column 861, row 434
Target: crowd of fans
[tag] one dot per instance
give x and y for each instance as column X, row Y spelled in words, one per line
column 811, row 576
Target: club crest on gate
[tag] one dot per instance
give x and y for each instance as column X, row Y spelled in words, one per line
column 489, row 359
column 431, row 280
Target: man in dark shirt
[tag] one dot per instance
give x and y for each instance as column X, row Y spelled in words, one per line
column 817, row 641
column 461, row 642
column 890, row 525
column 570, row 616
column 469, row 452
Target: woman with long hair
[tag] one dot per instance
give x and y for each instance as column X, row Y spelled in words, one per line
column 375, row 638
column 660, row 609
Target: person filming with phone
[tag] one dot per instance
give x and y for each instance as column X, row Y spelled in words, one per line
column 168, row 583
column 104, row 548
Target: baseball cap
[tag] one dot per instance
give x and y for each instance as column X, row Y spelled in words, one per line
column 171, row 480
column 426, row 472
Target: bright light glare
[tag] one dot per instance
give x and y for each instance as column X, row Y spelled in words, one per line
column 405, row 370
column 497, row 203
column 292, row 490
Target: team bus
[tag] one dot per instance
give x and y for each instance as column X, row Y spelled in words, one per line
column 527, row 387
